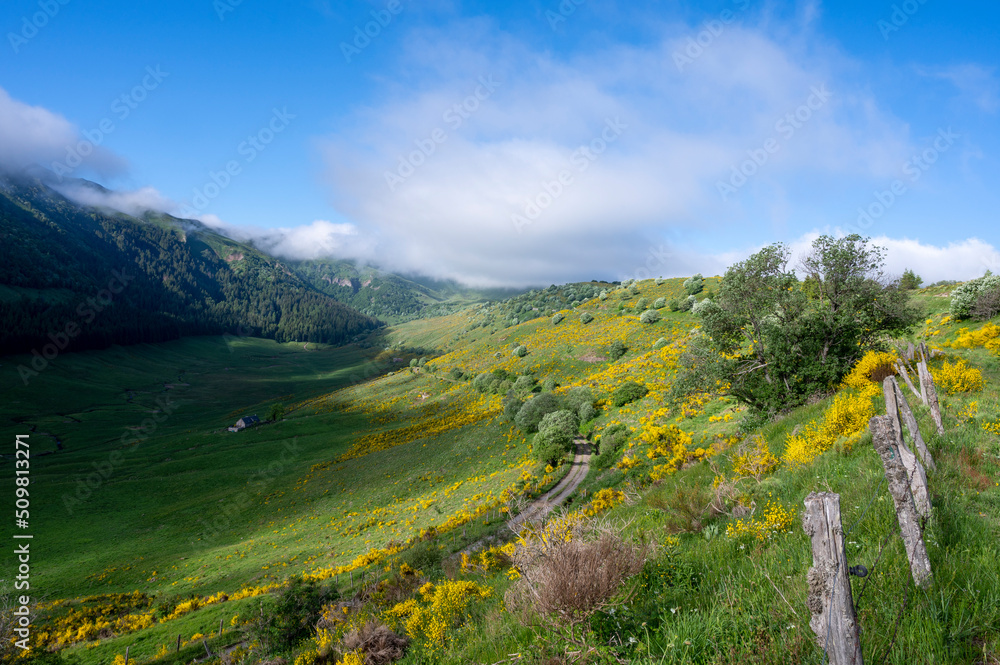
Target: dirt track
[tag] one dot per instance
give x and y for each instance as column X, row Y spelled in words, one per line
column 545, row 504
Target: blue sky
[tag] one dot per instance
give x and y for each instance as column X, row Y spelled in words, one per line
column 525, row 142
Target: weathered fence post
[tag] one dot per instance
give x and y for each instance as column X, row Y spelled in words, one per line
column 833, row 618
column 899, row 487
column 904, row 372
column 913, row 427
column 220, row 627
column 204, row 642
column 178, row 644
column 126, row 653
column 915, row 473
column 927, row 385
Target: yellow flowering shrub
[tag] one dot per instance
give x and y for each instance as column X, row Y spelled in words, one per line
column 440, row 607
column 958, row 377
column 847, row 418
column 627, row 462
column 775, row 519
column 868, row 373
column 755, row 460
column 988, row 336
column 604, row 499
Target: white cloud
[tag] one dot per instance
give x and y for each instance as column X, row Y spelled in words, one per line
column 32, row 135
column 131, row 203
column 975, row 83
column 683, row 132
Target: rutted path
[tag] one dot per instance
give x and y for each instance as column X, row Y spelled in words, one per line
column 540, row 508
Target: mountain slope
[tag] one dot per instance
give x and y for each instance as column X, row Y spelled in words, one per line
column 100, row 277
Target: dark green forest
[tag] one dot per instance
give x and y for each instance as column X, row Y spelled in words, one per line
column 87, row 279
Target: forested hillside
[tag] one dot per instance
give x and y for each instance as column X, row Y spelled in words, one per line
column 89, row 278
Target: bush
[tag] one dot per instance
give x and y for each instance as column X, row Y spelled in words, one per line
column 642, row 303
column 659, row 281
column 456, row 374
column 577, row 397
column 557, row 318
column 521, row 351
column 549, row 384
column 628, row 392
column 511, row 406
column 413, row 362
column 482, row 382
column 523, row 386
column 649, row 316
column 617, row 349
column 700, row 308
column 609, row 444
column 687, row 304
column 586, row 412
column 290, row 618
column 965, row 297
column 586, row 318
column 660, row 343
column 558, row 427
column 604, row 294
column 536, row 408
column 660, row 303
column 674, row 305
column 276, row 412
column 549, row 452
column 694, row 285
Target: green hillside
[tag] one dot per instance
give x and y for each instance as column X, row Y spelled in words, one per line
column 380, row 469
column 91, row 278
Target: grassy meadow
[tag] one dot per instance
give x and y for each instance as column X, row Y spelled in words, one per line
column 376, row 464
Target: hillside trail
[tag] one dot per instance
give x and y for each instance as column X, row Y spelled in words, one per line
column 540, row 508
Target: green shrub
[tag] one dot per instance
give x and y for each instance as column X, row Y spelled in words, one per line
column 642, row 303
column 617, row 349
column 557, row 318
column 289, row 619
column 604, row 294
column 649, row 316
column 659, row 281
column 586, row 318
column 524, row 386
column 536, row 408
column 549, row 384
column 674, row 305
column 660, row 303
column 413, row 362
column 558, row 427
column 660, row 343
column 577, row 397
column 586, row 412
column 482, row 382
column 521, row 351
column 687, row 304
column 694, row 285
column 548, row 452
column 629, row 391
column 456, row 374
column 965, row 298
column 511, row 406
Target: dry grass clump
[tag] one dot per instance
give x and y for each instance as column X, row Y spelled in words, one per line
column 567, row 575
column 377, row 642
